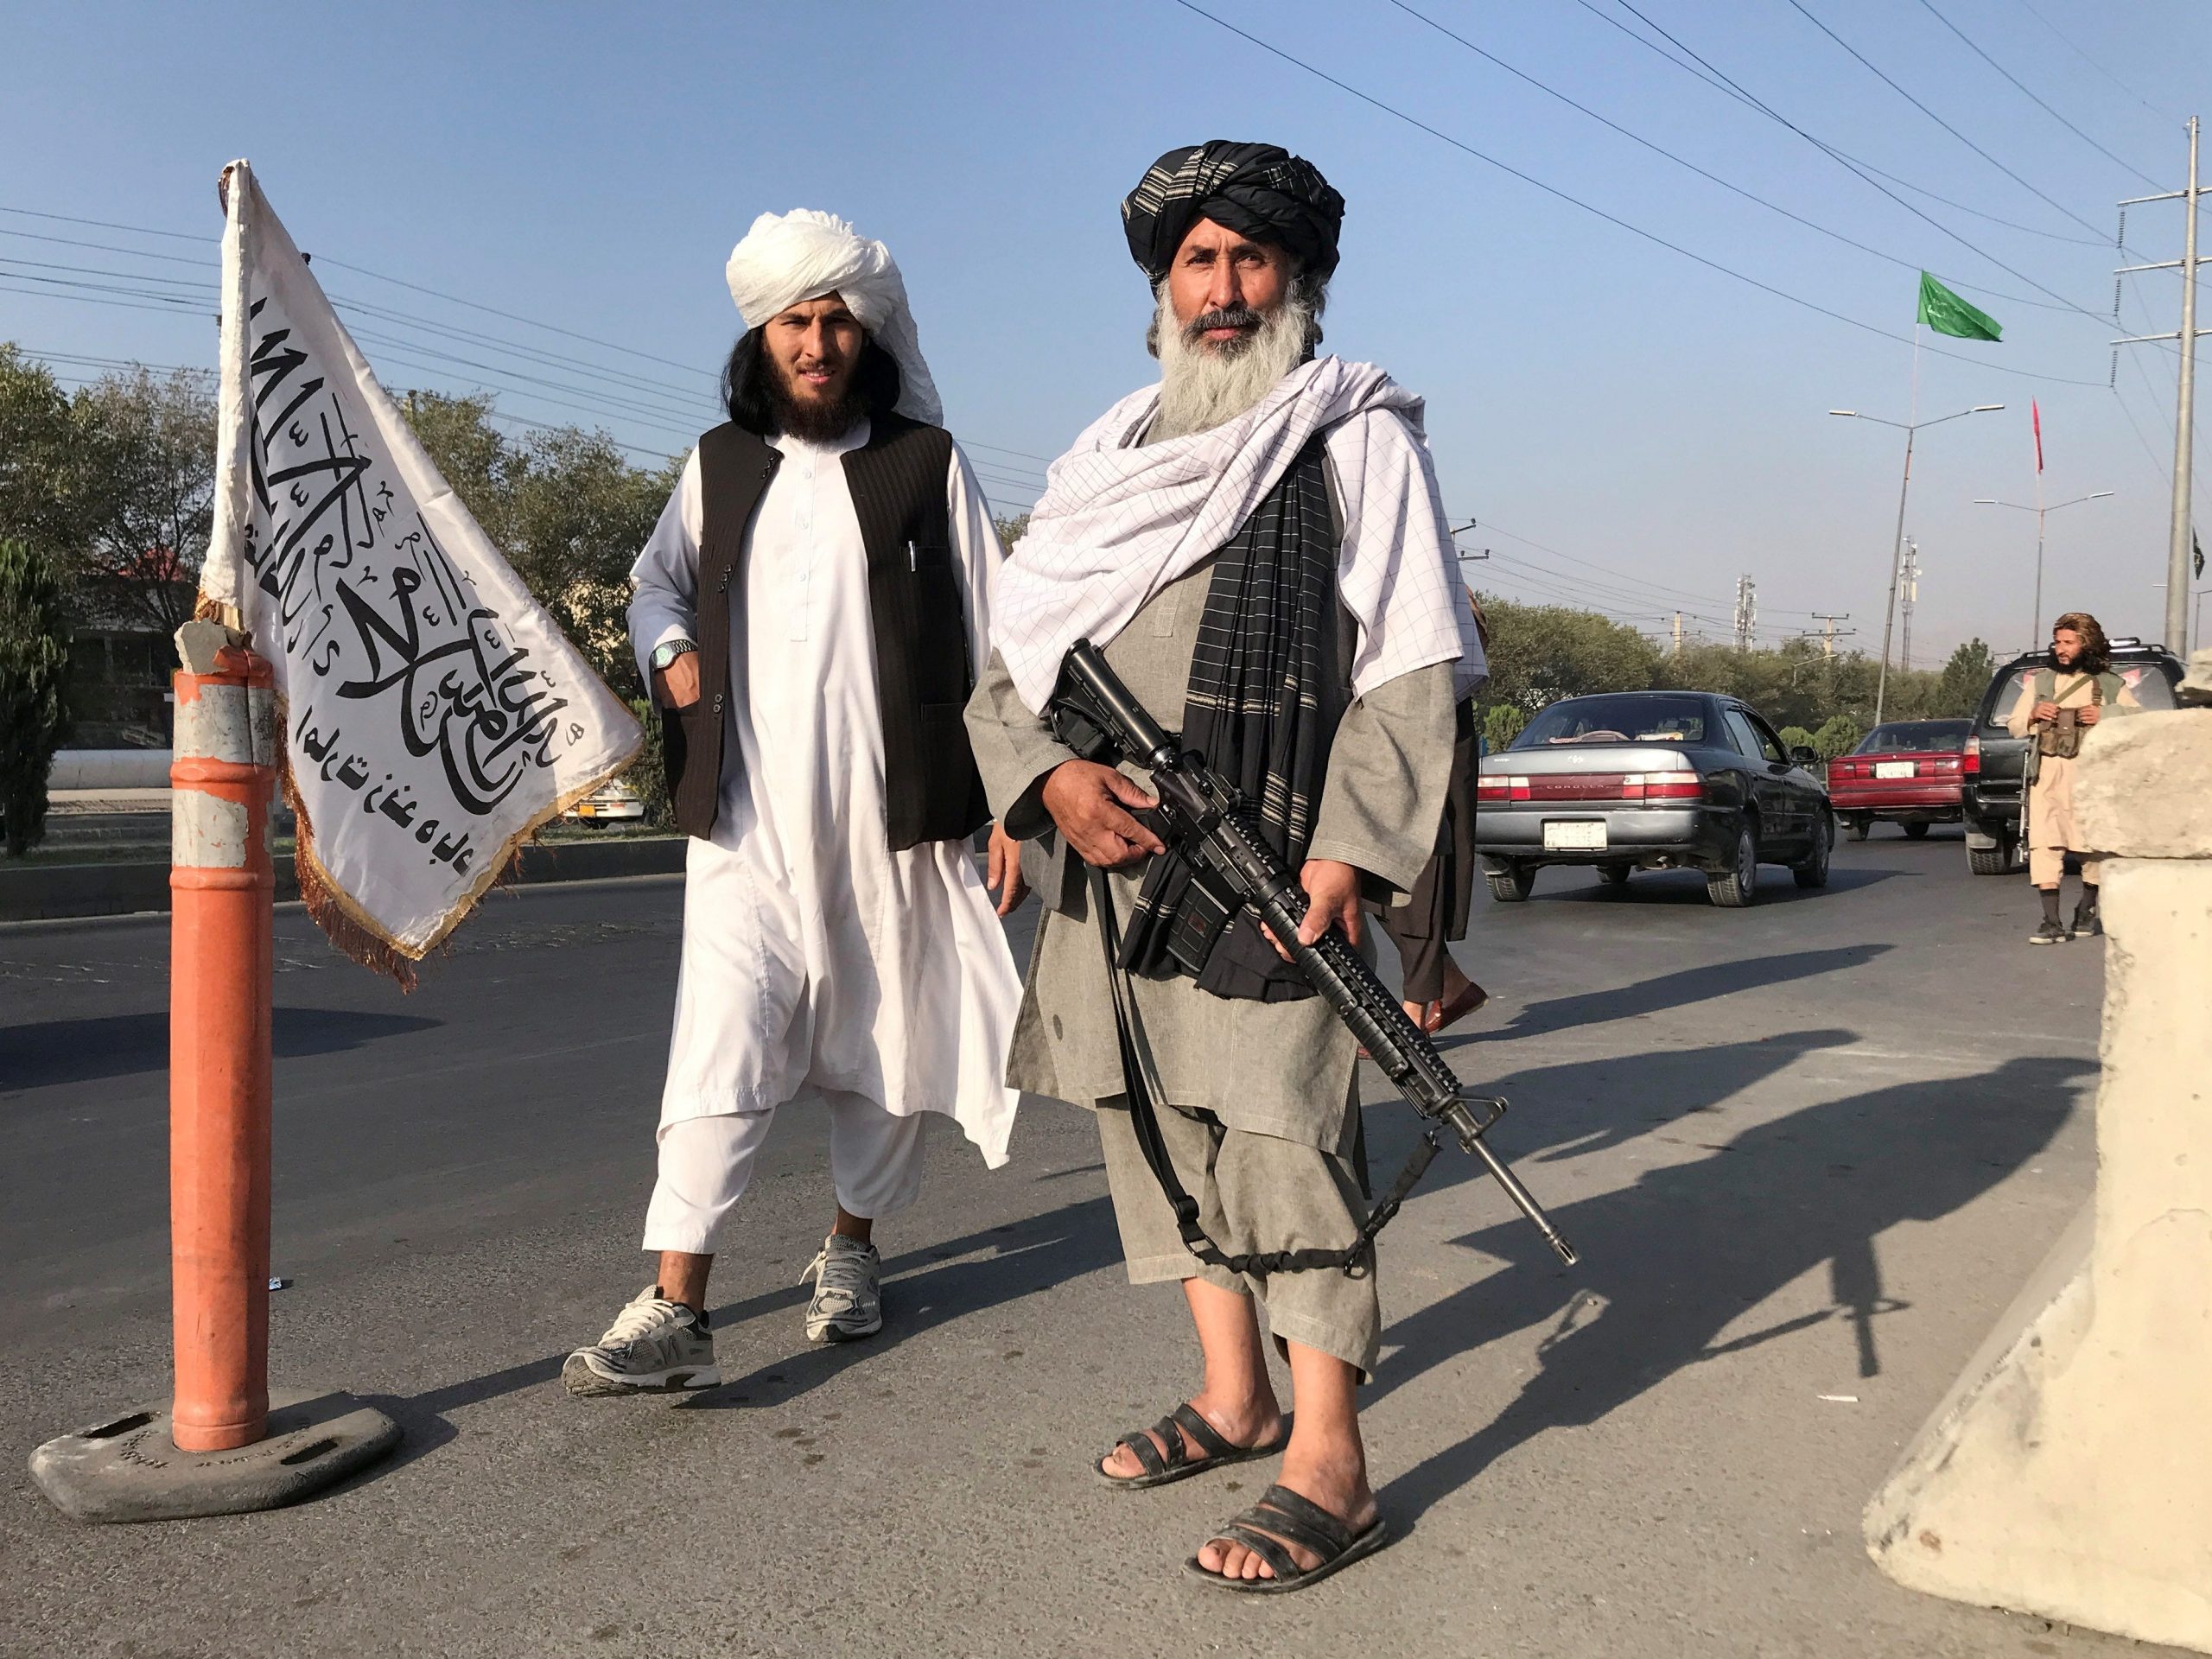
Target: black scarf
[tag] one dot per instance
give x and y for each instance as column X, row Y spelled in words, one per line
column 1268, row 685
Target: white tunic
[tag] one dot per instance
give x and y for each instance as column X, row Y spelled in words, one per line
column 814, row 956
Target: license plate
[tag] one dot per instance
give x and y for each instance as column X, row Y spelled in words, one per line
column 1893, row 768
column 1573, row 837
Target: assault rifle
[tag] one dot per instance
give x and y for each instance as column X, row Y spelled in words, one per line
column 1200, row 816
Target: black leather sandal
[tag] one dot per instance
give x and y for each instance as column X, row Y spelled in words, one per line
column 1282, row 1514
column 1178, row 1431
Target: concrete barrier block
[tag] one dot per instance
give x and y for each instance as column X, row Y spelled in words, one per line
column 2069, row 1472
column 2143, row 789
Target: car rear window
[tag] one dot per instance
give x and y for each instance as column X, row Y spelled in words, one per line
column 1915, row 737
column 1617, row 719
column 2152, row 689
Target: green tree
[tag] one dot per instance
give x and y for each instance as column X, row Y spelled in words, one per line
column 148, row 446
column 1501, row 723
column 1539, row 653
column 1839, row 735
column 1958, row 688
column 42, row 478
column 1796, row 737
column 567, row 508
column 1011, row 530
column 33, row 677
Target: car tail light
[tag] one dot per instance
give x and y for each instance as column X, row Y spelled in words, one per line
column 1970, row 757
column 1662, row 786
column 1499, row 788
column 1840, row 768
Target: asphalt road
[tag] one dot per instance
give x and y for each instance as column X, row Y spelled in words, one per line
column 1809, row 1151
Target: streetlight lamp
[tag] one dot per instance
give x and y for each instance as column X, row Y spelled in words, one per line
column 1911, row 429
column 2035, row 633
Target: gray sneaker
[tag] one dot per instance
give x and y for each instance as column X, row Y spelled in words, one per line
column 846, row 1302
column 654, row 1344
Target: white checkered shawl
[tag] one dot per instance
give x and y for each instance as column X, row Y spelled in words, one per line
column 1118, row 523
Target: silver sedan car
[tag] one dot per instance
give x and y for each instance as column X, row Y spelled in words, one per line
column 1653, row 780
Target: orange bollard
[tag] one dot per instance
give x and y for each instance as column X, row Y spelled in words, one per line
column 222, row 887
column 226, row 1444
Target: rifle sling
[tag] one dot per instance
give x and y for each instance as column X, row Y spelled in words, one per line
column 1140, row 1083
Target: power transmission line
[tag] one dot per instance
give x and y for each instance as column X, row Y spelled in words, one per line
column 1715, row 178
column 2092, row 62
column 1799, row 6
column 2039, row 103
column 1612, row 219
column 1864, row 173
column 1701, row 71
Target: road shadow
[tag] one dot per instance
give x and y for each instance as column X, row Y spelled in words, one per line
column 1672, row 1261
column 123, row 1045
column 1023, row 1258
column 1687, row 887
column 1675, row 990
column 923, row 1289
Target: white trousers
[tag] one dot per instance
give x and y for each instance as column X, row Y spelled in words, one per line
column 875, row 1162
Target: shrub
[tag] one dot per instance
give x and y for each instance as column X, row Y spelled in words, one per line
column 34, row 677
column 1501, row 723
column 1839, row 735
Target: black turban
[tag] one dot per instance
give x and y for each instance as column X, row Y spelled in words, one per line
column 1260, row 190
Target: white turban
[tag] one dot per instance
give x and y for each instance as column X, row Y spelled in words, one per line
column 803, row 255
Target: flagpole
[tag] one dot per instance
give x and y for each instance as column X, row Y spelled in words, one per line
column 1897, row 548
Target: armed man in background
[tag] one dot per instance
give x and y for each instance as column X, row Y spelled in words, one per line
column 2061, row 703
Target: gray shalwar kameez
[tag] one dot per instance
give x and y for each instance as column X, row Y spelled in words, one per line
column 1276, row 1172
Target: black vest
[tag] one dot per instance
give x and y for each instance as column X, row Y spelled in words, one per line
column 922, row 674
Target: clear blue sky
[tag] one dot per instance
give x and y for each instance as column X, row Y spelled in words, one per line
column 1590, row 392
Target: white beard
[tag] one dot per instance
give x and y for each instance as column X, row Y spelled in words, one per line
column 1202, row 385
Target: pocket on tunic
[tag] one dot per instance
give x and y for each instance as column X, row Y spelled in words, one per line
column 941, row 668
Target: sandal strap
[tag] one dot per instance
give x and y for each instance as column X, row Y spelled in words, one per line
column 1177, row 1454
column 1268, row 1549
column 1142, row 1448
column 1200, row 1433
column 1304, row 1522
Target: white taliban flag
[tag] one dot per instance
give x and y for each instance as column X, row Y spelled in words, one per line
column 434, row 716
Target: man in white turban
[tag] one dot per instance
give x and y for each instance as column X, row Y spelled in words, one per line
column 810, row 614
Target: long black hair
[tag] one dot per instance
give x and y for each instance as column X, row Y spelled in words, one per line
column 750, row 387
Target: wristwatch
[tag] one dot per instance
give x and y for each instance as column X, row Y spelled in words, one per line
column 664, row 655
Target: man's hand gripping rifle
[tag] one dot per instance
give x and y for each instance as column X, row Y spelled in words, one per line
column 1095, row 714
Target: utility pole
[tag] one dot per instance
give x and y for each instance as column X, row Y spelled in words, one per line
column 1828, row 633
column 1747, row 611
column 1678, row 633
column 1911, row 593
column 2178, row 546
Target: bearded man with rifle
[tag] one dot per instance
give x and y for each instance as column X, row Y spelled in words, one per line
column 1252, row 557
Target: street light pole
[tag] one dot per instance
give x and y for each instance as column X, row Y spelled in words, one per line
column 1897, row 549
column 2035, row 635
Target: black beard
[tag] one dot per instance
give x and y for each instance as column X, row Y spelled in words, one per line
column 815, row 422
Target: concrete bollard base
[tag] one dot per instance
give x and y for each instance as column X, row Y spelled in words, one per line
column 128, row 1469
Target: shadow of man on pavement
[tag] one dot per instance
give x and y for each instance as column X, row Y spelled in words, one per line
column 1671, row 1261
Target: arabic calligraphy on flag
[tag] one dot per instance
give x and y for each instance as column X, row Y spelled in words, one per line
column 434, row 716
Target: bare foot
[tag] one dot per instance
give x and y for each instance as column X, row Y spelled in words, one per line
column 1243, row 1423
column 1341, row 1489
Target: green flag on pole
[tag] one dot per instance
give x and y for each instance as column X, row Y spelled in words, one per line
column 1947, row 314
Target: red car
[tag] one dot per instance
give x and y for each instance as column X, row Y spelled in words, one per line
column 1909, row 772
